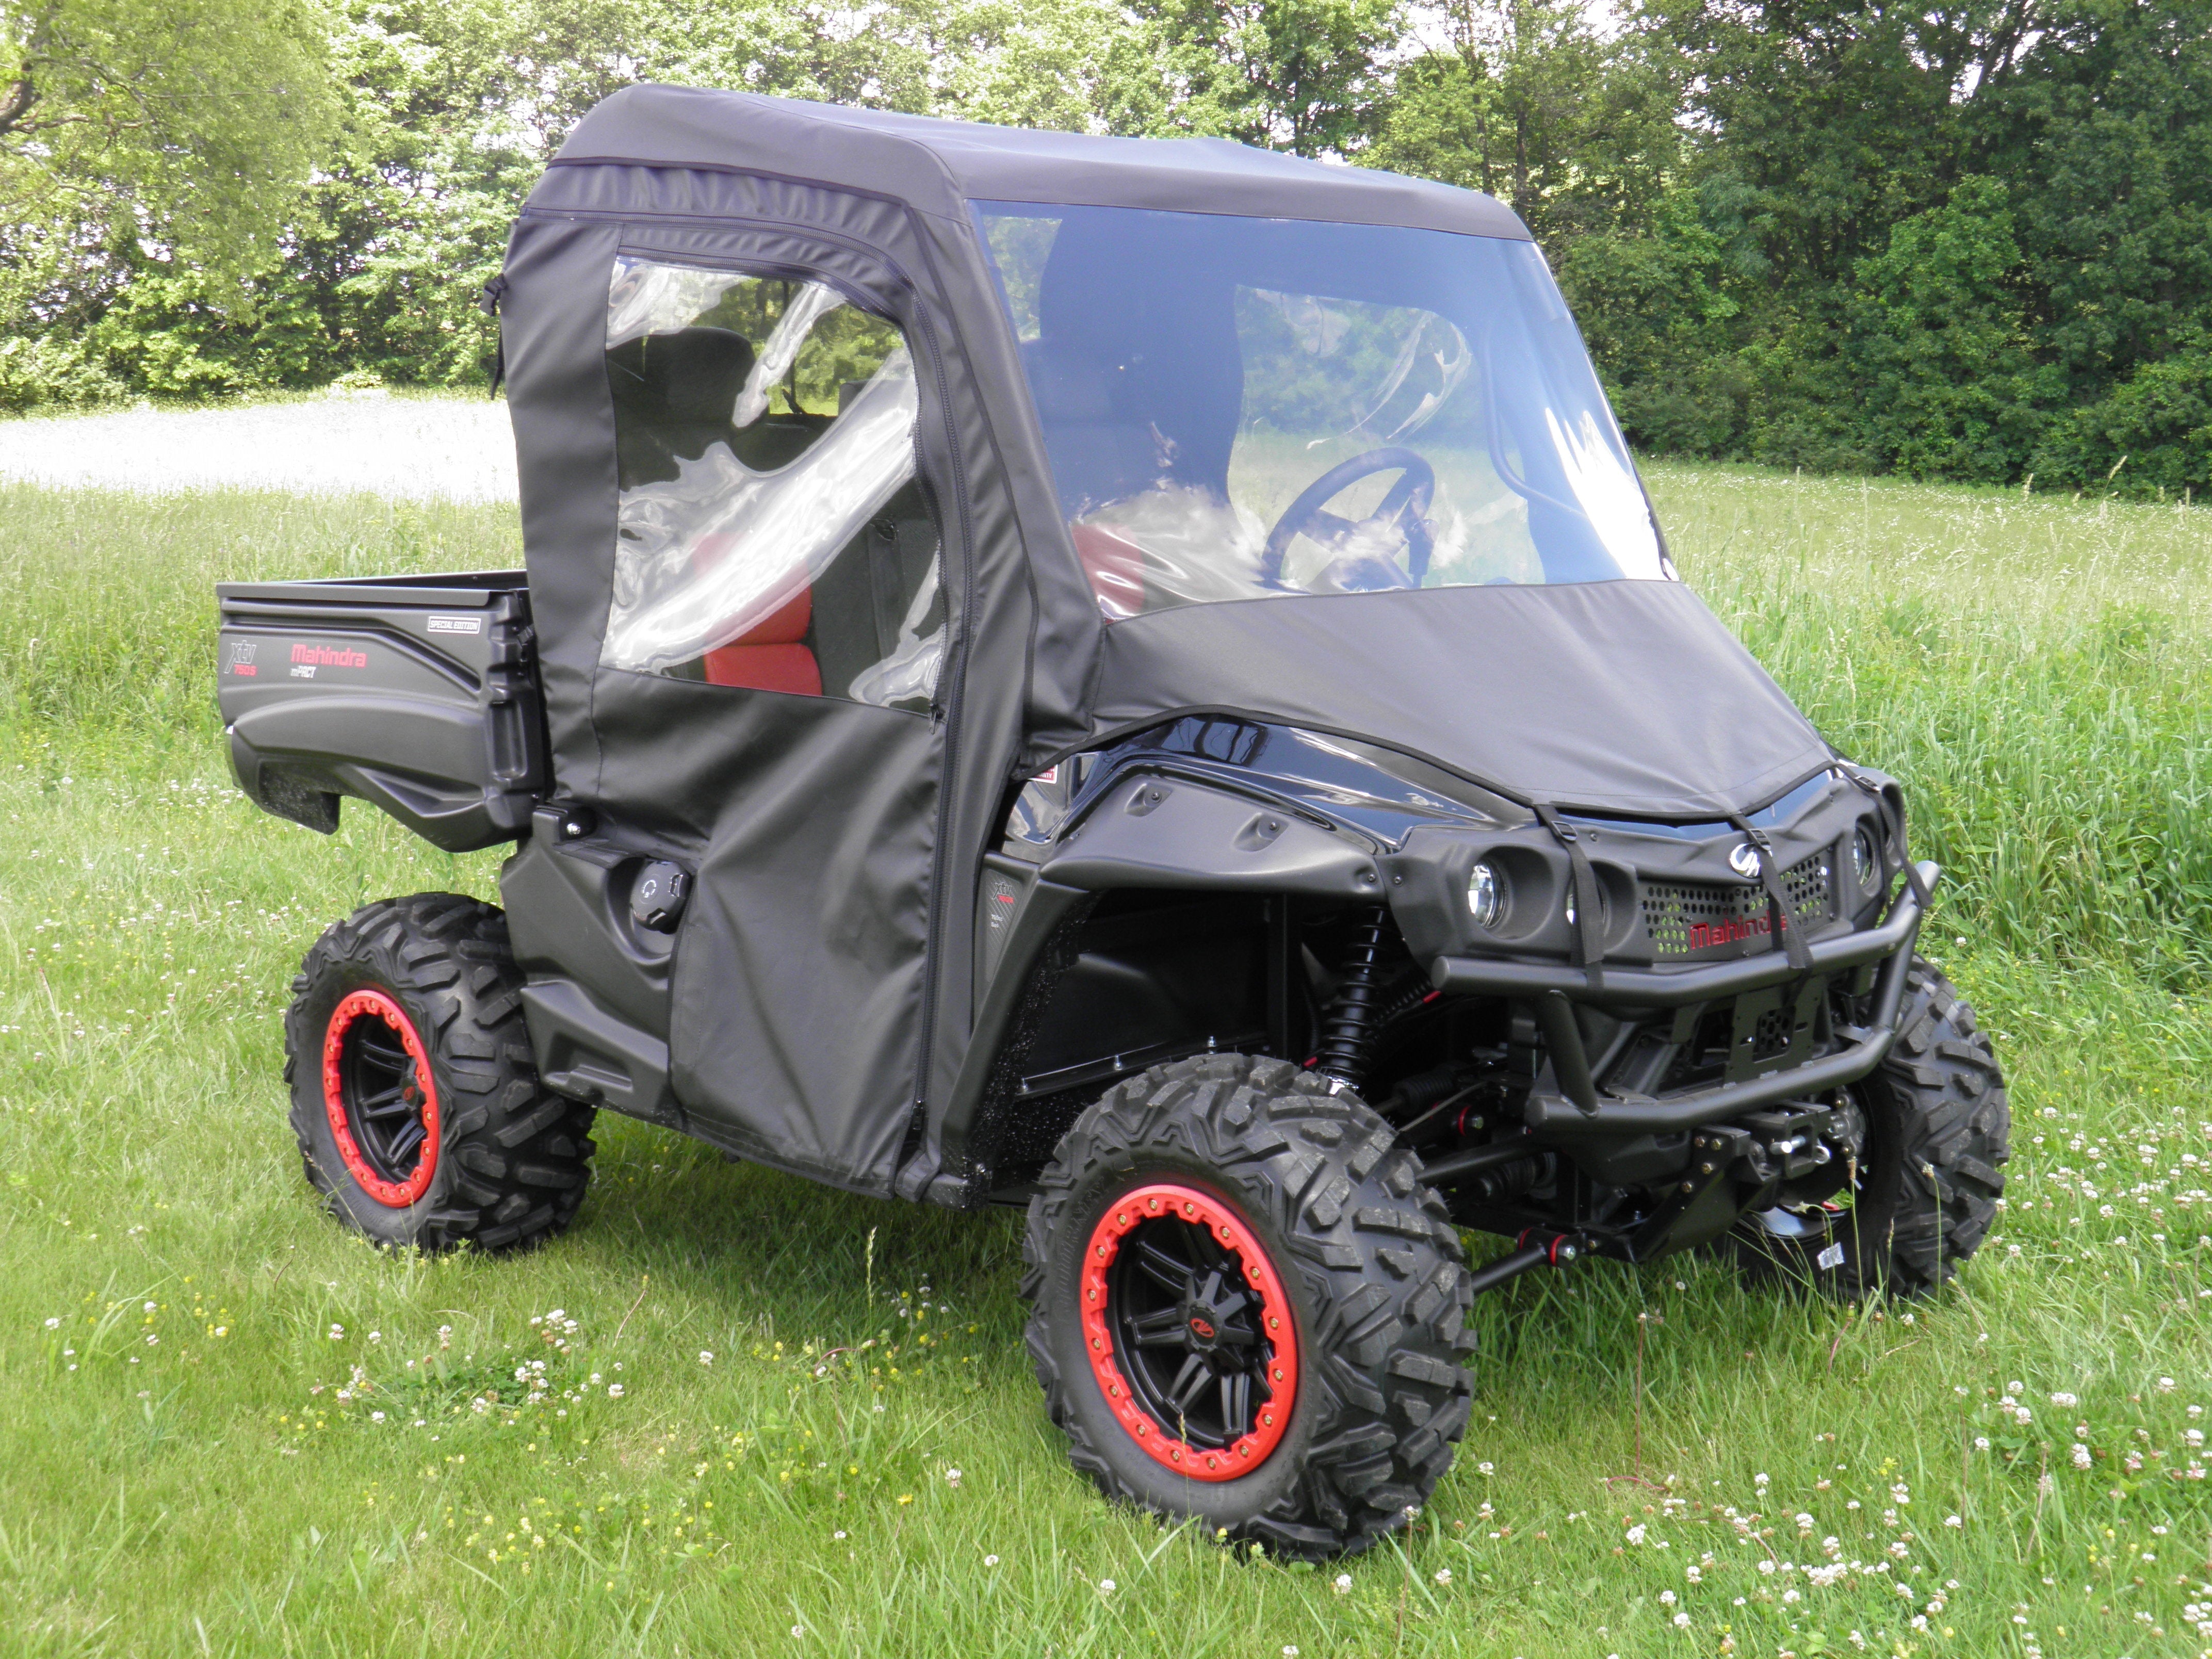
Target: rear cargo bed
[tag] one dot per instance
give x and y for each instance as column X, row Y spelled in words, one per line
column 418, row 694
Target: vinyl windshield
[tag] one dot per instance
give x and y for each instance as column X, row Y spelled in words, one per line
column 1238, row 408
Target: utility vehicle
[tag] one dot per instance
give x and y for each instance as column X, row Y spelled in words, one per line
column 1135, row 680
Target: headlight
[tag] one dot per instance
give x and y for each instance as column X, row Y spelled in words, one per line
column 1866, row 863
column 1485, row 895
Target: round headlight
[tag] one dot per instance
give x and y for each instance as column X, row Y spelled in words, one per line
column 1485, row 895
column 1866, row 863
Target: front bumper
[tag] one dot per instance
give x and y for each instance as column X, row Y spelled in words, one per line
column 1576, row 1108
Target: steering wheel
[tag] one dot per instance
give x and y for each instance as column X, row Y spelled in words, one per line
column 1355, row 570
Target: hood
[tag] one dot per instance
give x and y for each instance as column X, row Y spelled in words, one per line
column 1626, row 697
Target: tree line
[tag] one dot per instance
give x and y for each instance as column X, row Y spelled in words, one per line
column 1969, row 242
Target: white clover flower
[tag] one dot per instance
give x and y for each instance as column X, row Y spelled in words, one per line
column 1667, row 1598
column 1758, row 1480
column 1981, row 1443
column 614, row 1390
column 1486, row 1468
column 54, row 1324
column 706, row 1356
column 376, row 1336
column 1342, row 1583
column 1106, row 1586
column 990, row 1561
column 338, row 1333
column 376, row 1417
column 2064, row 1400
column 1444, row 1575
column 798, row 1632
column 952, row 1477
column 1954, row 1521
column 2165, row 1385
column 1636, row 1533
column 1681, row 1621
column 2081, row 1455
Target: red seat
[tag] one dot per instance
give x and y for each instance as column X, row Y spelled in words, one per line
column 771, row 657
column 1115, row 566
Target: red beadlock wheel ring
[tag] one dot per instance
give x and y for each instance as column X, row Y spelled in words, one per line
column 355, row 1007
column 1271, row 1418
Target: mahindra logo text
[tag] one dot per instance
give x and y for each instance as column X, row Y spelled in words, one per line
column 1704, row 935
column 327, row 656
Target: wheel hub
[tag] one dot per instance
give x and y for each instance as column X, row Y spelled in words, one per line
column 1189, row 1331
column 380, row 1097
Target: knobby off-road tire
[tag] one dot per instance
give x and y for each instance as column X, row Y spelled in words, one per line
column 424, row 987
column 1938, row 1133
column 1326, row 1219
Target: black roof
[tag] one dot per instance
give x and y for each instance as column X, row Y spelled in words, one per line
column 939, row 166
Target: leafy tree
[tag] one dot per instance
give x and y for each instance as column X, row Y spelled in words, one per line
column 1301, row 75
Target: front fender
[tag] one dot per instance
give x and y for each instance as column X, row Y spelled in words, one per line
column 1166, row 832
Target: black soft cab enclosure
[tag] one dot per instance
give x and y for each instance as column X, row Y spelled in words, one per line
column 1137, row 680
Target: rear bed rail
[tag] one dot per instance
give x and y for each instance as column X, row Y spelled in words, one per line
column 417, row 694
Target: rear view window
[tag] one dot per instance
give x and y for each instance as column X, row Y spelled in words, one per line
column 1240, row 408
column 772, row 531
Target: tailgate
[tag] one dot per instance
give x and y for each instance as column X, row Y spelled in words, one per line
column 418, row 694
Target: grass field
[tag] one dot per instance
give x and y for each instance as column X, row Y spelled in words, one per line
column 779, row 1420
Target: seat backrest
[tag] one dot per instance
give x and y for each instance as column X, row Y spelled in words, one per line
column 773, row 656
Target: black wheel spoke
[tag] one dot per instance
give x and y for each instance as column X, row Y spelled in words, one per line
column 1189, row 1383
column 1235, row 1405
column 406, row 1140
column 379, row 1047
column 1164, row 1330
column 1166, row 1271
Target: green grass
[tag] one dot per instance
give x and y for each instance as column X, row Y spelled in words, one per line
column 2035, row 670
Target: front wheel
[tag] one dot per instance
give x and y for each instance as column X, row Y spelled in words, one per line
column 418, row 1110
column 1246, row 1310
column 1924, row 1190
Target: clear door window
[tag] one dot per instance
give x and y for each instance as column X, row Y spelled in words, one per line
column 772, row 532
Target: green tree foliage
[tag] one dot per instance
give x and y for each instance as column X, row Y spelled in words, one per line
column 1968, row 241
column 1302, row 76
column 143, row 135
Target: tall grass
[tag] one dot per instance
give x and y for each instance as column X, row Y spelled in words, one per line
column 296, row 1463
column 2039, row 673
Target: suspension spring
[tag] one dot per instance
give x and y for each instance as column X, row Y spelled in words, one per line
column 1347, row 1030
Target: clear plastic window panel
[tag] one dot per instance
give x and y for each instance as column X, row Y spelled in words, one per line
column 772, row 532
column 1239, row 408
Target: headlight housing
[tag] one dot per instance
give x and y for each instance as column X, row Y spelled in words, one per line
column 1866, row 861
column 1485, row 895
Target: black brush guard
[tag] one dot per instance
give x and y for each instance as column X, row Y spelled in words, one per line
column 1578, row 1108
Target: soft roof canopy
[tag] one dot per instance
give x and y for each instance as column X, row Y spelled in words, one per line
column 938, row 166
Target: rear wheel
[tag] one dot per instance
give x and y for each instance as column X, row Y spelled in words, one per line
column 1923, row 1191
column 414, row 1097
column 1245, row 1307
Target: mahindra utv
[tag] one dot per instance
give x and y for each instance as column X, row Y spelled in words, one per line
column 1134, row 679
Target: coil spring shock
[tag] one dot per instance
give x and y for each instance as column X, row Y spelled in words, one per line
column 1347, row 1030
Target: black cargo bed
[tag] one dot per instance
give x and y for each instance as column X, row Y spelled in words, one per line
column 418, row 694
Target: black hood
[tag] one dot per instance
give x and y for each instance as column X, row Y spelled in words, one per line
column 1626, row 697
